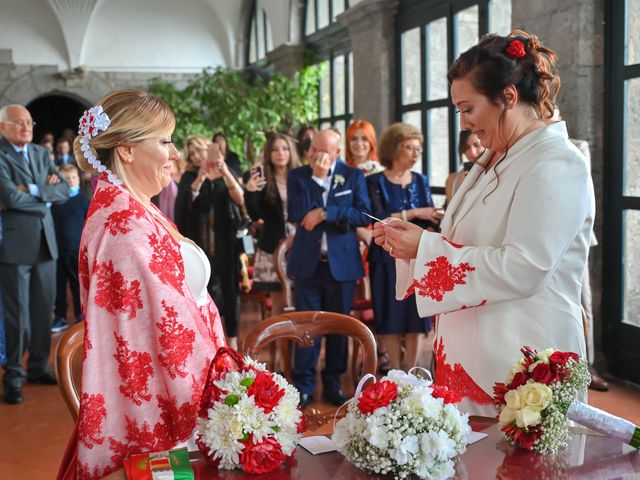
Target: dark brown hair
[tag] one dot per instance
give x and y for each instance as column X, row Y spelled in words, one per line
column 269, row 172
column 491, row 70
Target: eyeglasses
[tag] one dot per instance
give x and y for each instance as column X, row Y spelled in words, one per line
column 412, row 150
column 22, row 123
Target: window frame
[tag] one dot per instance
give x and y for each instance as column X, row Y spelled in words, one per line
column 417, row 14
column 620, row 340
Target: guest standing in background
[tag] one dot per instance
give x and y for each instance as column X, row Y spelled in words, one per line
column 207, row 196
column 63, row 153
column 266, row 199
column 29, row 184
column 361, row 146
column 399, row 193
column 303, row 143
column 469, row 150
column 68, row 218
column 326, row 199
column 231, row 158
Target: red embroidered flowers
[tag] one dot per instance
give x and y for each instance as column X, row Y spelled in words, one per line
column 457, row 379
column 516, row 49
column 134, row 369
column 166, row 261
column 114, row 294
column 176, row 341
column 93, row 414
column 442, row 277
column 376, row 395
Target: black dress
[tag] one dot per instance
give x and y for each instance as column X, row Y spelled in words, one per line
column 206, row 219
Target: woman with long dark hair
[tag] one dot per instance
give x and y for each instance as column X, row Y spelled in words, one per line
column 266, row 199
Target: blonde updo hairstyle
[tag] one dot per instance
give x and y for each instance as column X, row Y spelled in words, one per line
column 391, row 139
column 135, row 116
column 197, row 141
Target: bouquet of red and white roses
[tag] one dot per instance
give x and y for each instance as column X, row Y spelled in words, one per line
column 249, row 417
column 540, row 395
column 403, row 425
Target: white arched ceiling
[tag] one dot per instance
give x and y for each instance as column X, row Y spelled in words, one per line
column 155, row 35
column 31, row 31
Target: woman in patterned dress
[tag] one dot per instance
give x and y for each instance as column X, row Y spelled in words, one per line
column 151, row 329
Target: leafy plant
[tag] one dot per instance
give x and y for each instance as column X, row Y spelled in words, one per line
column 221, row 100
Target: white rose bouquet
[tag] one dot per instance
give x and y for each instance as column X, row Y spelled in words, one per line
column 403, row 425
column 540, row 395
column 249, row 417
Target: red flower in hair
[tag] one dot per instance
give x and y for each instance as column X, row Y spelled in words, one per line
column 516, row 49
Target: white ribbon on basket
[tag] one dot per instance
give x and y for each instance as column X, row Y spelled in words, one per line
column 405, row 377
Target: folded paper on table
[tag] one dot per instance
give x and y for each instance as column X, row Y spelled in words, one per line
column 317, row 444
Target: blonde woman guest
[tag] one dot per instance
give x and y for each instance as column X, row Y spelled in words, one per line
column 151, row 329
column 266, row 199
column 507, row 268
column 207, row 193
column 399, row 193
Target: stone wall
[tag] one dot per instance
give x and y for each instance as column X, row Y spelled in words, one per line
column 575, row 31
column 24, row 83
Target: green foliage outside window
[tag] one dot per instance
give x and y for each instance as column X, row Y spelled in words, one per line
column 221, row 100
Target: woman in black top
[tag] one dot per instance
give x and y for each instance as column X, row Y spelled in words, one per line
column 207, row 194
column 266, row 199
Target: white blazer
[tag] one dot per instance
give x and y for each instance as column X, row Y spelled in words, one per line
column 506, row 271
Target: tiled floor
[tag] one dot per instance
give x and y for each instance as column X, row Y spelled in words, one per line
column 33, row 435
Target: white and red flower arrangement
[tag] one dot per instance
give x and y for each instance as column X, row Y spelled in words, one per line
column 403, row 425
column 540, row 395
column 249, row 417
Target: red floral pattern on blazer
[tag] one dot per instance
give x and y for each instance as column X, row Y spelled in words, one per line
column 441, row 277
column 456, row 378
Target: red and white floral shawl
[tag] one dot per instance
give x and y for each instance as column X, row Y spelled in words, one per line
column 147, row 345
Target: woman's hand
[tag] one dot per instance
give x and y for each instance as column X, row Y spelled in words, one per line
column 430, row 214
column 401, row 239
column 256, row 182
column 196, row 185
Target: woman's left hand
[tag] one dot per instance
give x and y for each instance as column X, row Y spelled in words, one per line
column 430, row 214
column 401, row 239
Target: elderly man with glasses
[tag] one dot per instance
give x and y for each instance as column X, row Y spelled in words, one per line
column 29, row 184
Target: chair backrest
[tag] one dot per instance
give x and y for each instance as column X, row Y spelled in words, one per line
column 280, row 258
column 303, row 327
column 69, row 346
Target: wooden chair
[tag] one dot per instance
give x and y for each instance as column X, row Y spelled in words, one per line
column 303, row 327
column 280, row 258
column 67, row 351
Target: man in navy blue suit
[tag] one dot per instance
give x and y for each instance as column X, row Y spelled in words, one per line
column 326, row 198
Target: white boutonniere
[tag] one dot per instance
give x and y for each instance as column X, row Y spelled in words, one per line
column 338, row 180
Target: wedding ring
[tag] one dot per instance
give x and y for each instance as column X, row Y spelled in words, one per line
column 391, row 250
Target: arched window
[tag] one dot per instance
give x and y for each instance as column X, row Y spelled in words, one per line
column 429, row 39
column 320, row 14
column 331, row 49
column 260, row 39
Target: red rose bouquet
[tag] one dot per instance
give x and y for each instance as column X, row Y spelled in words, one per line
column 403, row 425
column 540, row 395
column 249, row 417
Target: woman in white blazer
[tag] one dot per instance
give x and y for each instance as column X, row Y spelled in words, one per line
column 506, row 269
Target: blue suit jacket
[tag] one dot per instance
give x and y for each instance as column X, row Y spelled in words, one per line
column 345, row 205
